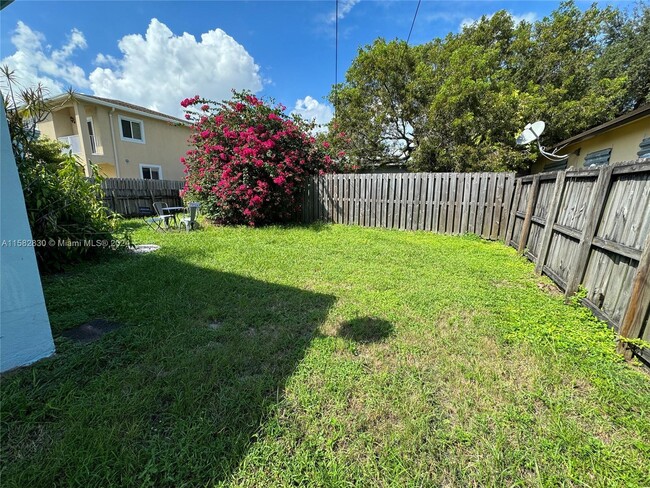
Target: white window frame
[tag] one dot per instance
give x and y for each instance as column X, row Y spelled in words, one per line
column 92, row 136
column 151, row 166
column 120, row 118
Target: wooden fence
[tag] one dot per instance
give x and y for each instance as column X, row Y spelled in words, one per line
column 127, row 196
column 451, row 203
column 589, row 227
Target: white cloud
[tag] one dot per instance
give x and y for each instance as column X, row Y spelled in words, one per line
column 529, row 17
column 345, row 6
column 311, row 109
column 34, row 62
column 161, row 68
column 156, row 70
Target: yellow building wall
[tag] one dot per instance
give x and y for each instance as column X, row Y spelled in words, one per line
column 58, row 124
column 164, row 142
column 47, row 127
column 623, row 140
column 164, row 145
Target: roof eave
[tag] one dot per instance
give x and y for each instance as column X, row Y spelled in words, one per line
column 96, row 101
column 625, row 119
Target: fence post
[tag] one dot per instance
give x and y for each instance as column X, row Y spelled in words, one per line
column 637, row 306
column 551, row 215
column 595, row 208
column 507, row 202
column 513, row 211
column 530, row 207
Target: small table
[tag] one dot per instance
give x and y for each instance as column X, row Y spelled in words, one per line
column 171, row 212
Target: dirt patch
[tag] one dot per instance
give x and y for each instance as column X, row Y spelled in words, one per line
column 91, row 331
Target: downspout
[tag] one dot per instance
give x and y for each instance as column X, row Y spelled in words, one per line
column 117, row 159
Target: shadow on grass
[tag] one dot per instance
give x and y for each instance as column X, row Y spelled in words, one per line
column 174, row 398
column 366, row 329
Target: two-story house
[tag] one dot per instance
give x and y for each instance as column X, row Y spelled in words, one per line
column 122, row 139
column 624, row 138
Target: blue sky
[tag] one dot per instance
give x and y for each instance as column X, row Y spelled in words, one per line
column 155, row 53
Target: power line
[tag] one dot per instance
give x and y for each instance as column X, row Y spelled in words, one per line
column 412, row 23
column 336, row 59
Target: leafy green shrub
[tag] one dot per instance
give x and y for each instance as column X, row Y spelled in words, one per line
column 63, row 207
column 68, row 219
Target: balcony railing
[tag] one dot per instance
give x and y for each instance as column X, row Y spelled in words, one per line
column 73, row 143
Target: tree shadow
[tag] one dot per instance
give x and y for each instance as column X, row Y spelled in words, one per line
column 366, row 330
column 176, row 396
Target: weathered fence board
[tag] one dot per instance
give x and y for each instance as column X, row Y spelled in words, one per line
column 595, row 232
column 126, row 196
column 589, row 227
column 440, row 202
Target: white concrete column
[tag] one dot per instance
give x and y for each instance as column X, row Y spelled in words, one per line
column 25, row 334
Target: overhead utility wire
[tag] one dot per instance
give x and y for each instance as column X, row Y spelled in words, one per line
column 336, row 59
column 412, row 23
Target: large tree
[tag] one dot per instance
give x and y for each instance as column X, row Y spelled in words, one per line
column 379, row 104
column 457, row 103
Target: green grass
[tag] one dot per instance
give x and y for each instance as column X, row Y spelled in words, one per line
column 341, row 356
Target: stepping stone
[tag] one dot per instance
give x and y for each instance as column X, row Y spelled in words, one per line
column 144, row 248
column 91, row 331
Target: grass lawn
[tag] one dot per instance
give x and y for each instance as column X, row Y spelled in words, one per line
column 337, row 356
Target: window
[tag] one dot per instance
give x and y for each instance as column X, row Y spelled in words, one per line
column 91, row 133
column 598, row 158
column 644, row 148
column 150, row 172
column 131, row 130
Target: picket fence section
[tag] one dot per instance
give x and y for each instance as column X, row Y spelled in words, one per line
column 589, row 227
column 130, row 196
column 450, row 203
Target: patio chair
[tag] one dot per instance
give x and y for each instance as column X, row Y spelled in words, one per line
column 163, row 213
column 152, row 221
column 189, row 221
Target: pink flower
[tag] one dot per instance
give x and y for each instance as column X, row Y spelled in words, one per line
column 190, row 101
column 274, row 116
column 326, row 144
column 239, row 107
column 279, row 180
column 205, row 134
column 253, row 100
column 205, row 107
column 188, row 116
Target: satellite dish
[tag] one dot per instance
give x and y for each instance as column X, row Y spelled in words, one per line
column 531, row 133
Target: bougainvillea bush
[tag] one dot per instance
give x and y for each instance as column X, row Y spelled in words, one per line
column 249, row 160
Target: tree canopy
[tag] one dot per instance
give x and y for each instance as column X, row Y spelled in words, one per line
column 456, row 104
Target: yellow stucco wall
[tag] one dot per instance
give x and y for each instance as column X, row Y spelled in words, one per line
column 623, row 140
column 164, row 143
